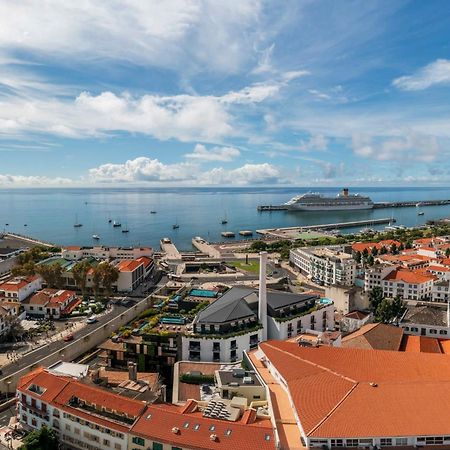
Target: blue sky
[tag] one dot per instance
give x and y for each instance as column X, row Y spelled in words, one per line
column 197, row 92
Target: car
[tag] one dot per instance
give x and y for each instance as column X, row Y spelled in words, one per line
column 68, row 338
column 91, row 319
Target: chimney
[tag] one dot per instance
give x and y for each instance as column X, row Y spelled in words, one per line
column 345, row 192
column 132, row 371
column 262, row 305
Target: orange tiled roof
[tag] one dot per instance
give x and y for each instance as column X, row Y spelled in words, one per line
column 72, row 248
column 145, row 260
column 16, row 284
column 333, row 388
column 158, row 420
column 50, row 296
column 420, row 344
column 409, row 276
column 129, row 265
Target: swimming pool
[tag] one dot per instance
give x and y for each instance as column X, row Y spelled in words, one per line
column 203, row 293
column 172, row 320
column 325, row 301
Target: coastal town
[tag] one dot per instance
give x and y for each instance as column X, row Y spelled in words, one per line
column 291, row 342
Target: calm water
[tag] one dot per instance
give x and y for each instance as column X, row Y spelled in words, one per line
column 51, row 213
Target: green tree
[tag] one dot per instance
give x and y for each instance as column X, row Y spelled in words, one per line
column 43, row 439
column 52, row 274
column 357, row 256
column 384, row 312
column 24, row 270
column 110, row 275
column 370, row 260
column 258, row 246
column 375, row 297
column 374, row 251
column 447, row 252
column 383, row 250
column 398, row 306
column 80, row 271
column 97, row 279
column 394, row 250
column 401, row 247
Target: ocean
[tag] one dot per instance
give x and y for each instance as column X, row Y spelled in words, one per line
column 51, row 213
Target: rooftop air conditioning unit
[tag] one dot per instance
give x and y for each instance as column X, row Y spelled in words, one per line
column 248, row 380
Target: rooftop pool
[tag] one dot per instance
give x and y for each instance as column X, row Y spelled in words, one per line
column 203, row 293
column 325, row 301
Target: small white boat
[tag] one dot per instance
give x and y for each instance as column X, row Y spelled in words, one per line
column 96, row 237
column 116, row 224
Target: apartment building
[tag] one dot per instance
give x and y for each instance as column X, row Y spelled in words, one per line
column 83, row 416
column 88, row 417
column 233, row 323
column 440, row 291
column 327, row 265
column 362, row 404
column 20, row 288
column 408, row 284
column 8, row 311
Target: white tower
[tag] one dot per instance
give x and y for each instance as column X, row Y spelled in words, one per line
column 262, row 304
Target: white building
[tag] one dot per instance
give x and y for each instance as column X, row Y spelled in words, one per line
column 431, row 321
column 327, row 265
column 75, row 253
column 84, row 417
column 440, row 291
column 20, row 288
column 408, row 284
column 51, row 303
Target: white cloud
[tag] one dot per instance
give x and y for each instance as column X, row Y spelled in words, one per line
column 183, row 117
column 225, row 154
column 23, row 180
column 317, row 142
column 170, row 34
column 319, row 95
column 410, row 147
column 437, row 72
column 141, row 169
column 146, row 170
column 248, row 174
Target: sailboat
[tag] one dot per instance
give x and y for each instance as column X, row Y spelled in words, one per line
column 116, row 224
column 77, row 224
column 420, row 213
column 125, row 230
column 175, row 226
column 224, row 220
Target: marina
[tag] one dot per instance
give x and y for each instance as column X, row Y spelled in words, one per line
column 292, row 232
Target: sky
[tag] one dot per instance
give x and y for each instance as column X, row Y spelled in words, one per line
column 224, row 93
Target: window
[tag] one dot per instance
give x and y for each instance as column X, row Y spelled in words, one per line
column 106, row 442
column 386, row 442
column 138, row 441
column 157, row 446
column 196, row 427
column 117, row 446
column 401, row 441
column 337, row 442
column 67, row 427
column 212, row 428
column 176, row 448
column 76, row 430
column 352, row 442
column 186, row 425
column 228, row 432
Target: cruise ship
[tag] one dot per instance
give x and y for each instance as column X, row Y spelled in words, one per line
column 317, row 202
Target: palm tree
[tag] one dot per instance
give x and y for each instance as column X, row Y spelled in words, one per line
column 80, row 271
column 97, row 279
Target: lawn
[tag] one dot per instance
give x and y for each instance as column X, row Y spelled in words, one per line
column 252, row 266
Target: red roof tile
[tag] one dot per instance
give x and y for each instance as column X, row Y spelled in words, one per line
column 395, row 392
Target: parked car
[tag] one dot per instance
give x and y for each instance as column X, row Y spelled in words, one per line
column 68, row 338
column 91, row 319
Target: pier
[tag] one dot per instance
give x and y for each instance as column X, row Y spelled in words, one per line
column 377, row 205
column 290, row 232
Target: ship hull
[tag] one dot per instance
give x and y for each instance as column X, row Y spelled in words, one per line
column 298, row 207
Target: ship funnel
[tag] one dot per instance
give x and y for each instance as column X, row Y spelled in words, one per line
column 262, row 304
column 345, row 192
